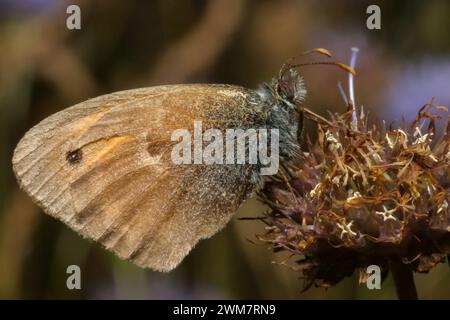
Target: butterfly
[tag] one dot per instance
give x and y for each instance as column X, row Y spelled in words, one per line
column 104, row 168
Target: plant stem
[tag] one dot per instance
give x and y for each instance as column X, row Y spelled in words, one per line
column 404, row 281
column 351, row 89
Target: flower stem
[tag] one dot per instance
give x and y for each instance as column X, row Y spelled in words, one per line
column 351, row 89
column 404, row 281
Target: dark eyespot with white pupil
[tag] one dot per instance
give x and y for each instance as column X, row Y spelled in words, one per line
column 75, row 156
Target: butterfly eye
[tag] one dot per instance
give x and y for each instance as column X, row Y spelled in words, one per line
column 285, row 89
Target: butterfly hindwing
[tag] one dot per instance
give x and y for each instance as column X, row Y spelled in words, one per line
column 104, row 168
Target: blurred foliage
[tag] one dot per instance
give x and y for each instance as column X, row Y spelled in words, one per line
column 44, row 67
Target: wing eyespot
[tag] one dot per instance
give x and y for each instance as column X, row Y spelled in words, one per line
column 75, row 156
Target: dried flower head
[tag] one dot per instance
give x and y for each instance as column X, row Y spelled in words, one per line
column 363, row 195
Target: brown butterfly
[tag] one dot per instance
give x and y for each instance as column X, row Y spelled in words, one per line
column 103, row 166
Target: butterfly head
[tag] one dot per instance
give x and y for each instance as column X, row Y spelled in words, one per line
column 289, row 87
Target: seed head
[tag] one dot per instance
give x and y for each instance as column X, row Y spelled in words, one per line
column 363, row 195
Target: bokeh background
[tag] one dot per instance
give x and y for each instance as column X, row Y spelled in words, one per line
column 44, row 67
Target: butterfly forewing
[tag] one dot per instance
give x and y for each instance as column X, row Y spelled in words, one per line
column 104, row 168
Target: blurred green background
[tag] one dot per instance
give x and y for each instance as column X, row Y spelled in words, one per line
column 44, row 67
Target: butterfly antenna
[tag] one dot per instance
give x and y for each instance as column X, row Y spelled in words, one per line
column 287, row 65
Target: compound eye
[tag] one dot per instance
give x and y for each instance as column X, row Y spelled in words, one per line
column 285, row 89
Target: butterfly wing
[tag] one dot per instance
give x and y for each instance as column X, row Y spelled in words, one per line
column 104, row 168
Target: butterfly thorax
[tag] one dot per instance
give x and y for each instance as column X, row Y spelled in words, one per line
column 281, row 99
